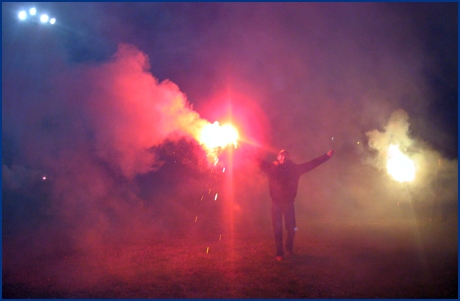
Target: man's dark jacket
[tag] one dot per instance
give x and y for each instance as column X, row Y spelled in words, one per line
column 283, row 179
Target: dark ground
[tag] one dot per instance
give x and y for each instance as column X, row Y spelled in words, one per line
column 396, row 258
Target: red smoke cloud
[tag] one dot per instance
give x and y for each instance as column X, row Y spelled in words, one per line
column 112, row 117
column 130, row 111
column 96, row 133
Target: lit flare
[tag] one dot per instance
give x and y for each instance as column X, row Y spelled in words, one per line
column 400, row 166
column 213, row 136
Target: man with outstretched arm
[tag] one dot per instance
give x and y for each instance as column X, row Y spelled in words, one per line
column 283, row 181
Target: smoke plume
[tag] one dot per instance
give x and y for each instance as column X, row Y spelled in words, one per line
column 100, row 136
column 103, row 131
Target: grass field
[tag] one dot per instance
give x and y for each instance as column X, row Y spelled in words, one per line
column 397, row 258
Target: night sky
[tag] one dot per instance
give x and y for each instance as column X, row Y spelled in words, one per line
column 86, row 101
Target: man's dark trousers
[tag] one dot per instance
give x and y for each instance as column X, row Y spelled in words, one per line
column 279, row 210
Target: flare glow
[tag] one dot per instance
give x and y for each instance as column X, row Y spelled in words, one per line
column 214, row 135
column 400, row 166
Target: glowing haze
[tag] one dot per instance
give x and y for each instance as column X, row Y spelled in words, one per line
column 88, row 103
column 88, row 107
column 399, row 166
column 131, row 112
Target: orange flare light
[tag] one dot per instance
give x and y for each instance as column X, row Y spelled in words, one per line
column 213, row 135
column 400, row 166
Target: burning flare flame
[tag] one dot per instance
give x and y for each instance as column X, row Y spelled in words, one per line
column 400, row 166
column 213, row 136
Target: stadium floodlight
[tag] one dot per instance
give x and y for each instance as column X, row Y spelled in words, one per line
column 22, row 15
column 32, row 12
column 44, row 18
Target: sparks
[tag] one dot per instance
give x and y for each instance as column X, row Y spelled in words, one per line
column 400, row 166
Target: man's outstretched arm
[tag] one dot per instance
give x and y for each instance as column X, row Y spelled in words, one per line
column 307, row 166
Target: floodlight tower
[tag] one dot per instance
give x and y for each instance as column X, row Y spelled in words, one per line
column 32, row 14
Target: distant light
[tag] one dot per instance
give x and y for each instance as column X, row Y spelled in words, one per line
column 33, row 13
column 44, row 178
column 44, row 18
column 22, row 15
